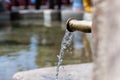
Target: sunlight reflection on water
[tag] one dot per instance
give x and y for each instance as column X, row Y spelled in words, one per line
column 25, row 60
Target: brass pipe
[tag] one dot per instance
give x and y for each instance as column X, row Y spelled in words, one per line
column 79, row 25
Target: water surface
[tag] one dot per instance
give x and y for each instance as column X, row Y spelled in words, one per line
column 30, row 47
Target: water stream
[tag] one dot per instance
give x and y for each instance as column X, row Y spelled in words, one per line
column 67, row 39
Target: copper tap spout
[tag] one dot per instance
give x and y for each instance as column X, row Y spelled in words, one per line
column 79, row 25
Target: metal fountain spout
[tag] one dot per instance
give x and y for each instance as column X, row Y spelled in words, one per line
column 79, row 25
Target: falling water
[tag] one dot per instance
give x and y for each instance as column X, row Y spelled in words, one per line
column 64, row 45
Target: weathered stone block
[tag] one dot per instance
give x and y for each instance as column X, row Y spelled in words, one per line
column 70, row 72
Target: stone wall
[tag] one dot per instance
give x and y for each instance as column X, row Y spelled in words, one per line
column 106, row 38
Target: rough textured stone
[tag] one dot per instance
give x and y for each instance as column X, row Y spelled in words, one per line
column 106, row 36
column 69, row 72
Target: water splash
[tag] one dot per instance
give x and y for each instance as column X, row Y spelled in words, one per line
column 67, row 39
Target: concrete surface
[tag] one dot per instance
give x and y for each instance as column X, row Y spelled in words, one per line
column 31, row 14
column 50, row 16
column 47, row 17
column 65, row 14
column 106, row 39
column 68, row 72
